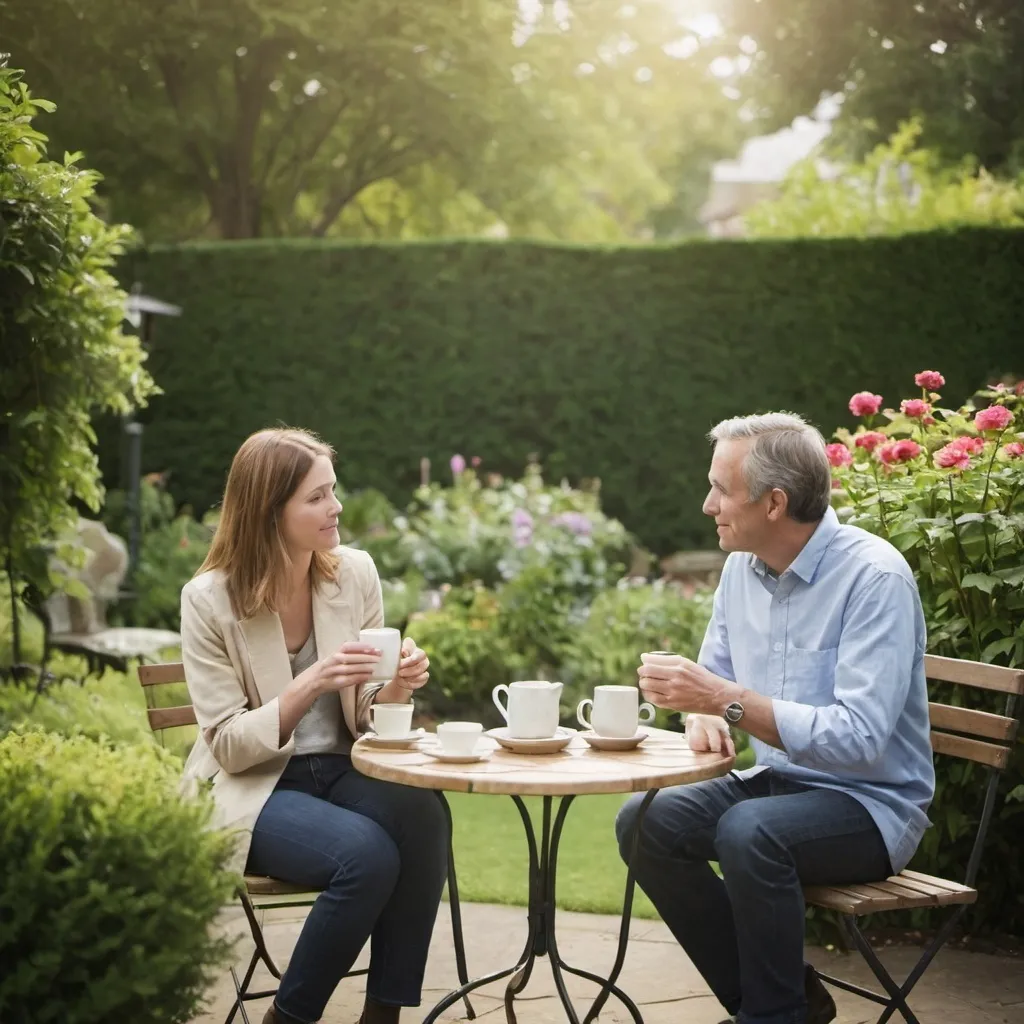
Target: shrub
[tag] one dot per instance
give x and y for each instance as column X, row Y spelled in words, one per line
column 63, row 355
column 110, row 885
column 173, row 546
column 605, row 362
column 946, row 487
column 468, row 654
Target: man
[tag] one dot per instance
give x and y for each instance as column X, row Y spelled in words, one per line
column 815, row 648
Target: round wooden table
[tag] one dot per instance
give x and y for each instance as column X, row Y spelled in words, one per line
column 664, row 759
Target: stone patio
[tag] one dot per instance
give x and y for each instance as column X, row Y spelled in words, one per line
column 959, row 987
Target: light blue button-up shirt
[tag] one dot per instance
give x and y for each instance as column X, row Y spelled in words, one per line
column 837, row 642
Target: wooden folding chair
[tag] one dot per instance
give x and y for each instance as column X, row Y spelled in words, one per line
column 259, row 893
column 972, row 735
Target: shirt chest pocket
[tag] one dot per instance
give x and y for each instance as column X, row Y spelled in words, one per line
column 810, row 676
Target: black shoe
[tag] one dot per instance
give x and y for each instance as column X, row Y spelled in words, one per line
column 821, row 1007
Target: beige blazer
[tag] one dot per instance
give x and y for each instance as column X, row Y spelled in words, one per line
column 236, row 669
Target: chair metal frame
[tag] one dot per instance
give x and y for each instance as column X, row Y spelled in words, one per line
column 258, row 894
column 962, row 726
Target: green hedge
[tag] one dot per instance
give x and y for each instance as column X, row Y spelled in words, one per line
column 607, row 362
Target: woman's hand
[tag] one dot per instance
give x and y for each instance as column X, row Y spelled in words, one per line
column 413, row 666
column 352, row 664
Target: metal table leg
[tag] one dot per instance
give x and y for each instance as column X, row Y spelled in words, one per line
column 541, row 939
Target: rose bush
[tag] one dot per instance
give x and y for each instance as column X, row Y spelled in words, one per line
column 947, row 489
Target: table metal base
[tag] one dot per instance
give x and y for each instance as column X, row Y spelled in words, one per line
column 541, row 940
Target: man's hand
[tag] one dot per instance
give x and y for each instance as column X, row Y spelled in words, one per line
column 709, row 734
column 683, row 686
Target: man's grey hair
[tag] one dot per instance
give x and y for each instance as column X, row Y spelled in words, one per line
column 787, row 453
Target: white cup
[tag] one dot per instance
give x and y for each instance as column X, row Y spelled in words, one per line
column 616, row 711
column 392, row 721
column 459, row 737
column 668, row 659
column 389, row 642
column 532, row 712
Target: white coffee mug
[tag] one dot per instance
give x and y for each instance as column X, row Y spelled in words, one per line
column 389, row 642
column 392, row 721
column 459, row 737
column 616, row 711
column 667, row 659
column 532, row 712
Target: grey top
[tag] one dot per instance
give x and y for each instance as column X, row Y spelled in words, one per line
column 322, row 729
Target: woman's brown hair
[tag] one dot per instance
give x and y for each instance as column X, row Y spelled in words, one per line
column 248, row 547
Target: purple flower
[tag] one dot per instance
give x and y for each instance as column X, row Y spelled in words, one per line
column 458, row 464
column 575, row 522
column 522, row 528
column 522, row 519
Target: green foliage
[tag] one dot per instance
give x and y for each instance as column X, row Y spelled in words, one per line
column 962, row 531
column 172, row 549
column 955, row 62
column 606, row 363
column 377, row 119
column 468, row 654
column 63, row 356
column 110, row 885
column 896, row 188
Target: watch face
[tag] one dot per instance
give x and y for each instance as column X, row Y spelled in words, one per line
column 734, row 712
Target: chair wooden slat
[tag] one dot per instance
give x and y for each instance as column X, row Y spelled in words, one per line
column 972, row 750
column 261, row 885
column 899, row 888
column 973, row 673
column 155, row 675
column 976, row 723
column 168, row 718
column 904, row 891
column 939, row 884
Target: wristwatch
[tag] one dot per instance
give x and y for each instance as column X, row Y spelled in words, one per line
column 733, row 713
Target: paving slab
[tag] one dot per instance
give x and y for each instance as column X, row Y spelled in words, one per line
column 959, row 987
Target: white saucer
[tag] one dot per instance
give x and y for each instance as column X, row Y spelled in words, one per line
column 371, row 739
column 545, row 745
column 614, row 742
column 439, row 755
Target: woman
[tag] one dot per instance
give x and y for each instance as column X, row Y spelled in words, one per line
column 280, row 684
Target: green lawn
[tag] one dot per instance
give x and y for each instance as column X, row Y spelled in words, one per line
column 491, row 857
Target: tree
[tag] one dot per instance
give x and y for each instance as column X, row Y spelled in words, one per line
column 63, row 355
column 898, row 187
column 959, row 64
column 240, row 118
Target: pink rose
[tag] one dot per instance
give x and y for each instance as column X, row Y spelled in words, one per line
column 1019, row 389
column 952, row 457
column 971, row 445
column 476, row 460
column 837, row 484
column 838, row 455
column 995, row 417
column 457, row 463
column 930, row 379
column 1014, row 449
column 864, row 403
column 870, row 440
column 929, row 421
column 915, row 407
column 899, row 451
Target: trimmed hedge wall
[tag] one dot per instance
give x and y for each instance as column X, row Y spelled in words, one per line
column 607, row 362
